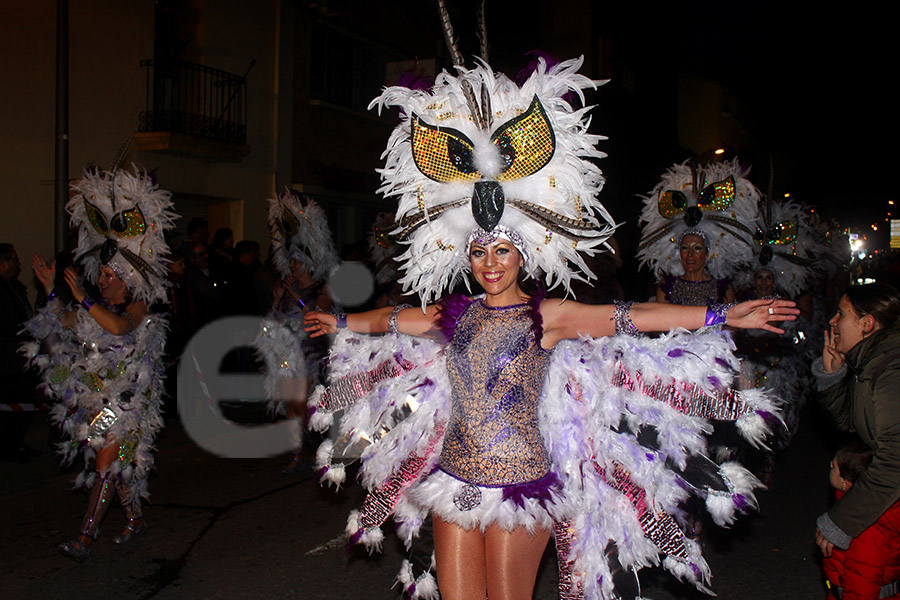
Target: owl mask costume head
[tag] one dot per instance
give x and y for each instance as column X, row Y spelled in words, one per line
column 478, row 156
column 715, row 201
column 300, row 232
column 121, row 218
column 782, row 243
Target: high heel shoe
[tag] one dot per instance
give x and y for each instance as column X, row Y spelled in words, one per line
column 131, row 532
column 75, row 550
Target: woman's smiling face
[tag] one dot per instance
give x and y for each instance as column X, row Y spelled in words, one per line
column 495, row 266
column 847, row 326
column 693, row 253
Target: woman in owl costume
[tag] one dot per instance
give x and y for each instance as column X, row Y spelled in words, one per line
column 304, row 255
column 102, row 358
column 784, row 251
column 698, row 215
column 509, row 417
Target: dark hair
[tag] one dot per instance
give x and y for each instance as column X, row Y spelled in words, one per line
column 222, row 234
column 246, row 247
column 6, row 251
column 877, row 299
column 195, row 224
column 852, row 459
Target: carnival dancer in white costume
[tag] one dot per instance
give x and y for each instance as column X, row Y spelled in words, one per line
column 304, row 255
column 510, row 431
column 102, row 359
column 695, row 231
column 783, row 251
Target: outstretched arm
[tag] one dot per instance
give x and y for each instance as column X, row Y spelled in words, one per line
column 411, row 321
column 568, row 320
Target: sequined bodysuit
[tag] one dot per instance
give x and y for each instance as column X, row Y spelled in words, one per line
column 694, row 293
column 496, row 369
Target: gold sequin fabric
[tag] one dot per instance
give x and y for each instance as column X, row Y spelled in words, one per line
column 496, row 370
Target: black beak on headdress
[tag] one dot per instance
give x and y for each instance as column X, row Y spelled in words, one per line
column 487, row 204
column 692, row 216
column 108, row 250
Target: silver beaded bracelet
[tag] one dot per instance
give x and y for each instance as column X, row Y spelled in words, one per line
column 392, row 320
column 622, row 317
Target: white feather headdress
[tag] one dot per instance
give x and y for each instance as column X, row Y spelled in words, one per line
column 520, row 162
column 121, row 218
column 715, row 200
column 783, row 243
column 300, row 231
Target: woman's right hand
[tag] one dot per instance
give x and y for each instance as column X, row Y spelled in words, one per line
column 832, row 360
column 45, row 273
column 319, row 323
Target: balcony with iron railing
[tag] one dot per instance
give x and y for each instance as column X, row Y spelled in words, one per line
column 195, row 110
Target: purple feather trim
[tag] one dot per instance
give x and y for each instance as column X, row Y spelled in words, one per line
column 451, row 309
column 534, row 307
column 354, row 539
column 740, row 502
column 542, row 490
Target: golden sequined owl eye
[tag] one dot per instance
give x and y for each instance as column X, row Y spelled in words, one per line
column 718, row 195
column 96, row 218
column 129, row 223
column 443, row 154
column 526, row 143
column 672, row 203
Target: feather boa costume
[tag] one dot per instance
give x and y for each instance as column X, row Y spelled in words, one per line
column 300, row 232
column 716, row 200
column 626, row 441
column 90, row 370
column 479, row 156
column 110, row 386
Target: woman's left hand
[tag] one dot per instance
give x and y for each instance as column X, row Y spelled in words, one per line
column 759, row 314
column 72, row 279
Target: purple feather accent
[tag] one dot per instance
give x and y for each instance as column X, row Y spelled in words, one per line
column 312, row 410
column 354, row 539
column 740, row 502
column 451, row 309
column 696, row 571
column 715, row 381
column 723, row 363
column 542, row 490
column 767, row 416
column 534, row 307
column 676, row 353
column 320, row 473
column 650, row 456
column 411, row 590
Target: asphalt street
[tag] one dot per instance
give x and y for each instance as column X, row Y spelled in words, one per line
column 238, row 528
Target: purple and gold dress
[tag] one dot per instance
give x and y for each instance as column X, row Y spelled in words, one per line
column 598, row 439
column 494, row 466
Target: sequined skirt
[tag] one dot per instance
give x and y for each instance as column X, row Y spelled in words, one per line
column 533, row 505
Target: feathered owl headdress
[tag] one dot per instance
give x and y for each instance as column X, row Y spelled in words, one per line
column 831, row 246
column 383, row 248
column 515, row 162
column 300, row 231
column 783, row 243
column 121, row 218
column 715, row 201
